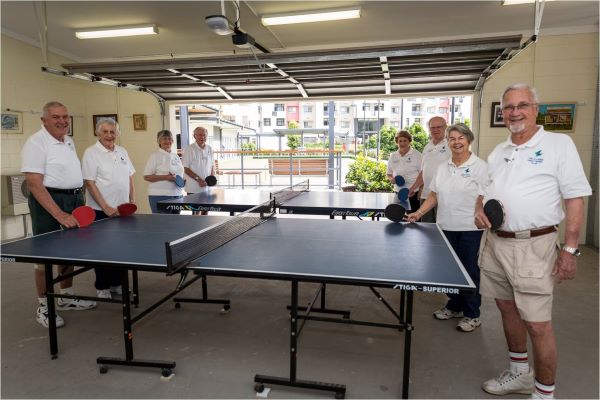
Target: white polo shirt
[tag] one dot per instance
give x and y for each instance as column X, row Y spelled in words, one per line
column 56, row 160
column 434, row 155
column 201, row 162
column 457, row 189
column 531, row 179
column 408, row 166
column 162, row 162
column 110, row 170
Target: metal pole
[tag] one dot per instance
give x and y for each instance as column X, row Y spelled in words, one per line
column 363, row 130
column 378, row 129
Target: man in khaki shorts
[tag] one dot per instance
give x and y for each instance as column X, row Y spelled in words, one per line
column 530, row 173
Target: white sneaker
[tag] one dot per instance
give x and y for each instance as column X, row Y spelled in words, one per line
column 104, row 294
column 118, row 290
column 444, row 313
column 536, row 395
column 74, row 304
column 468, row 324
column 41, row 316
column 510, row 382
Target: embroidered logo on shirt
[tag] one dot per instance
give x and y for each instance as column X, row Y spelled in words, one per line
column 537, row 158
column 443, row 149
column 466, row 173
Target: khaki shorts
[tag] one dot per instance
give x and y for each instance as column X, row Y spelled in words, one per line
column 520, row 270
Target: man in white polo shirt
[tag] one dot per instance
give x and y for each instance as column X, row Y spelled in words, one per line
column 53, row 175
column 198, row 163
column 435, row 153
column 530, row 173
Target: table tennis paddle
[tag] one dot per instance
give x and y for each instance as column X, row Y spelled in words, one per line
column 395, row 212
column 126, row 209
column 179, row 181
column 211, row 180
column 399, row 180
column 403, row 194
column 85, row 215
column 494, row 211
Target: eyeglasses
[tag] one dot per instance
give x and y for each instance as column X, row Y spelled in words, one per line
column 520, row 107
column 438, row 127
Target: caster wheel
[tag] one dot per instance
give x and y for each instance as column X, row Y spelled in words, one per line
column 259, row 387
column 166, row 372
column 339, row 395
column 225, row 309
column 177, row 305
column 103, row 369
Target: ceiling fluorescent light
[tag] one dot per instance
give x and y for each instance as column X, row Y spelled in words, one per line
column 311, row 16
column 513, row 2
column 117, row 32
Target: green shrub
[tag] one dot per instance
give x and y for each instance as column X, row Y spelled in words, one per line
column 249, row 146
column 368, row 176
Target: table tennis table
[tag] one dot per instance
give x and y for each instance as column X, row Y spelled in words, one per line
column 255, row 244
column 332, row 203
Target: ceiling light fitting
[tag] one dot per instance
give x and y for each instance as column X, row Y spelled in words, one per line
column 219, row 24
column 515, row 2
column 117, row 32
column 311, row 16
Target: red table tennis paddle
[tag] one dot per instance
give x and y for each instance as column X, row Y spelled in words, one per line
column 210, row 180
column 126, row 209
column 85, row 215
column 395, row 212
column 494, row 211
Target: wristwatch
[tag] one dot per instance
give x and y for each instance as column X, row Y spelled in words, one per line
column 572, row 250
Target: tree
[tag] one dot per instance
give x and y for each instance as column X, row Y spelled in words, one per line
column 293, row 124
column 249, row 146
column 386, row 141
column 419, row 136
column 368, row 175
column 293, row 141
column 468, row 122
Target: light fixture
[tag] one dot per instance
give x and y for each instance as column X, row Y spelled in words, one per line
column 311, row 16
column 514, row 2
column 219, row 24
column 117, row 31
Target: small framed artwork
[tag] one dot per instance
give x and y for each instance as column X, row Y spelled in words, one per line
column 70, row 132
column 139, row 122
column 97, row 117
column 557, row 117
column 12, row 122
column 497, row 120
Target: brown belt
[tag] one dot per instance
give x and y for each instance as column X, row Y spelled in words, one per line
column 527, row 234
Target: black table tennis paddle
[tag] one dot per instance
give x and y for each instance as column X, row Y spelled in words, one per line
column 494, row 211
column 395, row 212
column 211, row 180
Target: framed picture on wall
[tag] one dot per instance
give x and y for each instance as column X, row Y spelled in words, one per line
column 95, row 119
column 139, row 122
column 12, row 122
column 556, row 117
column 496, row 120
column 70, row 133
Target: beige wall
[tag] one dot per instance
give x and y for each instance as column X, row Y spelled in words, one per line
column 563, row 69
column 25, row 88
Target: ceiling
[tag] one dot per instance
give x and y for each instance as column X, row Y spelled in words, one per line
column 429, row 46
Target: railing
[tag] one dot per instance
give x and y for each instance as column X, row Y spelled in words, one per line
column 246, row 163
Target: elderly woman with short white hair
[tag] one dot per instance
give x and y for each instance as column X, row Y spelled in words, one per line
column 161, row 169
column 108, row 177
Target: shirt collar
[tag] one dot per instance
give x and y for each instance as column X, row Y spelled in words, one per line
column 160, row 149
column 470, row 161
column 534, row 141
column 104, row 149
column 53, row 139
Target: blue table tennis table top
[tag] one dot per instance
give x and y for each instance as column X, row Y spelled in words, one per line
column 333, row 203
column 405, row 256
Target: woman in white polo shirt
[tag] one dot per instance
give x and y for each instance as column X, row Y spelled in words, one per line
column 405, row 162
column 108, row 176
column 161, row 169
column 454, row 189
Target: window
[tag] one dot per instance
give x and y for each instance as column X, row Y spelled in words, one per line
column 366, row 107
column 345, row 124
column 325, row 122
column 457, row 108
column 326, row 108
column 291, row 109
column 431, row 110
column 267, row 121
column 307, row 109
column 308, row 124
column 443, row 110
column 419, row 121
column 396, row 124
column 345, row 109
column 379, row 107
column 280, row 121
column 279, row 107
column 395, row 110
column 416, row 109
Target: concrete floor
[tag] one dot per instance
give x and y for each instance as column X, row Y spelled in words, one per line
column 217, row 354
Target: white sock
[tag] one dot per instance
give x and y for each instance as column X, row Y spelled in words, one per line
column 519, row 363
column 544, row 391
column 68, row 290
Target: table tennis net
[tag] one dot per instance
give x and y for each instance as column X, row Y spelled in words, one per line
column 181, row 252
column 283, row 195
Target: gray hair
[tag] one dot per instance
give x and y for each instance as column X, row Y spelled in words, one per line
column 437, row 116
column 49, row 105
column 164, row 133
column 107, row 121
column 463, row 130
column 520, row 86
